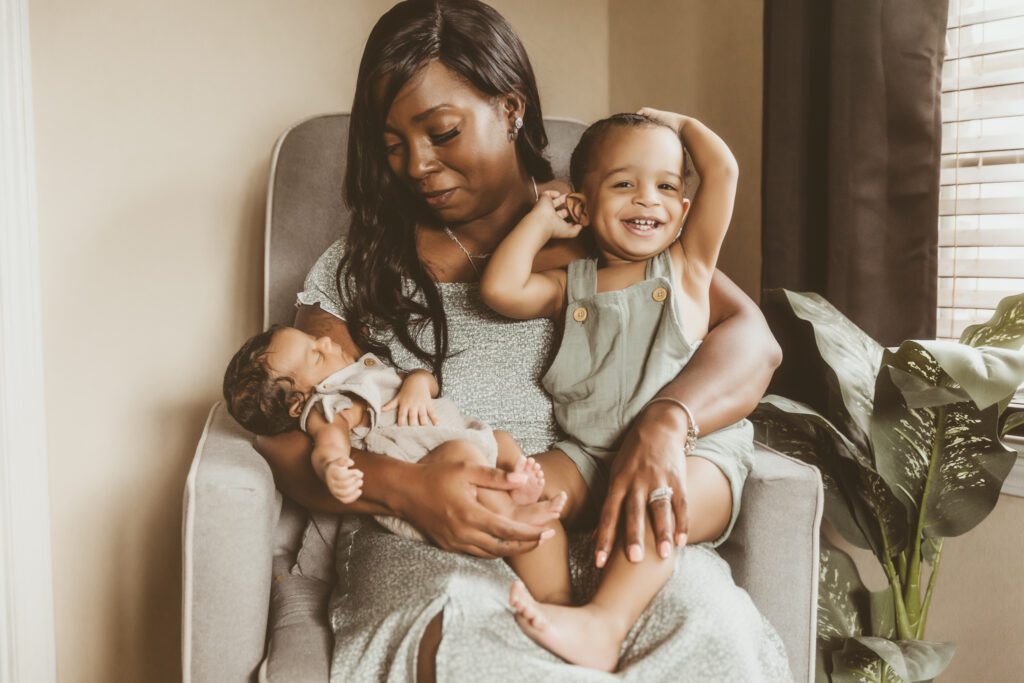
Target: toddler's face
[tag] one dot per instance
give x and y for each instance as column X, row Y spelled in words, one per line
column 304, row 358
column 633, row 194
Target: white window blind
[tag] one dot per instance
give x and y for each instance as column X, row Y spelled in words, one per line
column 981, row 199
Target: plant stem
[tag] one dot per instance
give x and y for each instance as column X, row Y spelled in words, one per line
column 902, row 622
column 912, row 596
column 902, row 563
column 928, row 593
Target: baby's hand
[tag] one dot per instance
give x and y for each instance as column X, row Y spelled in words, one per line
column 343, row 481
column 550, row 211
column 414, row 402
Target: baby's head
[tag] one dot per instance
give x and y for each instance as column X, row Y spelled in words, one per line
column 270, row 378
column 627, row 175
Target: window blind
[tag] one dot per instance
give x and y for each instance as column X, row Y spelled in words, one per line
column 981, row 198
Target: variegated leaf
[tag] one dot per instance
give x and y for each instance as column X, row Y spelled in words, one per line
column 986, row 374
column 970, row 462
column 911, row 660
column 860, row 500
column 842, row 599
column 1004, row 329
column 799, row 438
column 852, row 358
column 856, row 663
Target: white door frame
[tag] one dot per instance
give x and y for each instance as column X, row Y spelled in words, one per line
column 27, row 651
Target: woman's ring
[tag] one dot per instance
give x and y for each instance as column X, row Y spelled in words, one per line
column 660, row 493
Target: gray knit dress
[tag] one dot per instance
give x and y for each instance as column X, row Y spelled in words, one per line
column 700, row 627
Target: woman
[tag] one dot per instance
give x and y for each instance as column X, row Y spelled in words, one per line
column 445, row 155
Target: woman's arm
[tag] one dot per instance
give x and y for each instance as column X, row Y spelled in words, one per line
column 439, row 498
column 721, row 384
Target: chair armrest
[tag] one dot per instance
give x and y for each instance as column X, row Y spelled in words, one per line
column 231, row 509
column 773, row 550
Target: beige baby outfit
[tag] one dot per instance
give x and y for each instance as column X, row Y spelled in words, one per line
column 377, row 384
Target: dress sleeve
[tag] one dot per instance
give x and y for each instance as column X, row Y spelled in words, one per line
column 322, row 286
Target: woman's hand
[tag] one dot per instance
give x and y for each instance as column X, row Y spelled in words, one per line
column 443, row 505
column 651, row 457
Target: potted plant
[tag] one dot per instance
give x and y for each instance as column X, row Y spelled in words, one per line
column 908, row 442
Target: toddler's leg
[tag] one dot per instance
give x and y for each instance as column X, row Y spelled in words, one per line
column 592, row 635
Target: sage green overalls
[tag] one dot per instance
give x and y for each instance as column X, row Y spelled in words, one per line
column 618, row 350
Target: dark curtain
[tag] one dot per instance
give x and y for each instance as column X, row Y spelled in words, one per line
column 852, row 136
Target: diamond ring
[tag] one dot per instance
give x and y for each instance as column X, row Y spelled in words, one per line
column 660, row 493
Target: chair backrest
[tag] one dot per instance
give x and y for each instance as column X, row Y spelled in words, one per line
column 305, row 209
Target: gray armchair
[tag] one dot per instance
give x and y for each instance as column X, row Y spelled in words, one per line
column 246, row 616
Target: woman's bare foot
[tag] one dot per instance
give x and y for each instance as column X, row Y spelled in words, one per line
column 579, row 635
column 534, row 486
column 540, row 512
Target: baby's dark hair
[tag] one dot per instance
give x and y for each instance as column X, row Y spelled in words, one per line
column 583, row 155
column 255, row 397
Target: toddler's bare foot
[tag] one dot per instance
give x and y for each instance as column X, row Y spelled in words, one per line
column 579, row 635
column 541, row 512
column 534, row 486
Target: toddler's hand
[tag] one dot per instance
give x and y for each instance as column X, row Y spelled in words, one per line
column 343, row 481
column 414, row 403
column 675, row 121
column 551, row 212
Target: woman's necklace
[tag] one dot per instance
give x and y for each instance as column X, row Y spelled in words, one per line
column 473, row 257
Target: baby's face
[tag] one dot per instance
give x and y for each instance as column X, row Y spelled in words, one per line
column 304, row 358
column 633, row 193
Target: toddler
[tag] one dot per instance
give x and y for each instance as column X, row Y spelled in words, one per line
column 632, row 317
column 283, row 379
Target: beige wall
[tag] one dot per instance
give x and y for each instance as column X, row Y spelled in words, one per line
column 703, row 59
column 154, row 125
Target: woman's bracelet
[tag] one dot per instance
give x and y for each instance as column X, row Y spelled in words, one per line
column 692, row 430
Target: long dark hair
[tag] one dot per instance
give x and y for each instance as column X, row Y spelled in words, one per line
column 476, row 42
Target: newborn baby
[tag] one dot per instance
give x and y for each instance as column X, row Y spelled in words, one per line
column 283, row 379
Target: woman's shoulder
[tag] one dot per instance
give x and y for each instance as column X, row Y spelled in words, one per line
column 322, row 284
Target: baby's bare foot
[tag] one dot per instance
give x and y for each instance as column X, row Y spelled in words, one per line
column 541, row 512
column 534, row 486
column 576, row 634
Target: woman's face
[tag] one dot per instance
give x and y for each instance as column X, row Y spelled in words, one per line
column 449, row 143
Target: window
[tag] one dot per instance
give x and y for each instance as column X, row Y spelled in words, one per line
column 981, row 199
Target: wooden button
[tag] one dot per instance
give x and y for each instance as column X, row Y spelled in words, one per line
column 659, row 294
column 580, row 314
column 369, row 362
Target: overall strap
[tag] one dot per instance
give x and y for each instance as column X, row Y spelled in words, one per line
column 581, row 279
column 660, row 265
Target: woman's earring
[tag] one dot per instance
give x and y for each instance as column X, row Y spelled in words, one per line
column 513, row 133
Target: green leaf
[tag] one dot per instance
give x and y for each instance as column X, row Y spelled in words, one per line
column 883, row 613
column 856, row 499
column 1004, row 329
column 920, row 393
column 1012, row 422
column 856, row 663
column 911, row 660
column 852, row 358
column 959, row 444
column 842, row 599
column 988, row 374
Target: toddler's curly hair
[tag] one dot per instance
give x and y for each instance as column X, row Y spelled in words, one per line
column 256, row 398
